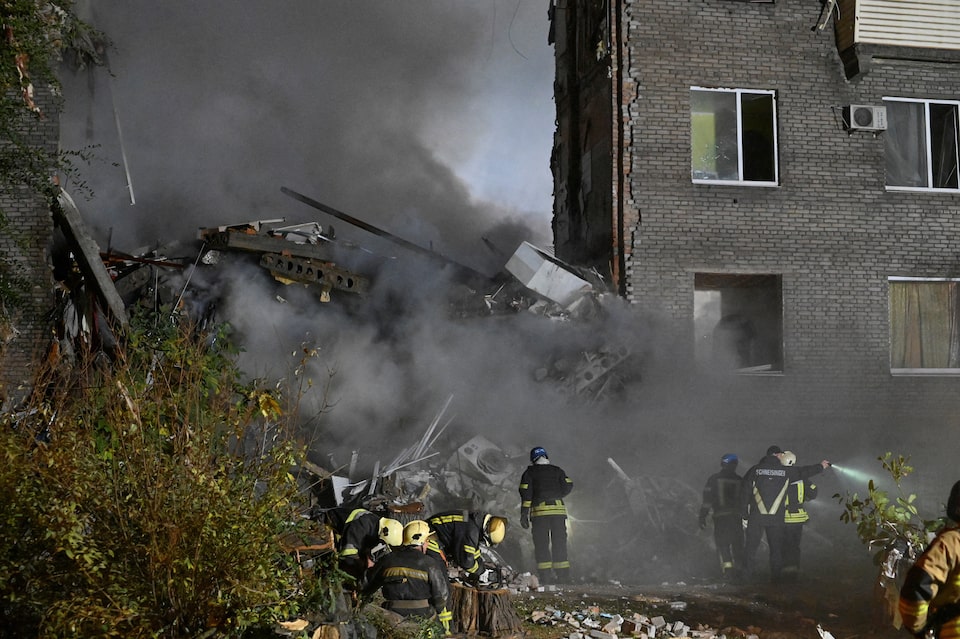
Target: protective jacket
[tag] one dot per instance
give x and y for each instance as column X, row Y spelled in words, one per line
column 413, row 583
column 458, row 536
column 357, row 531
column 765, row 489
column 798, row 493
column 542, row 489
column 930, row 596
column 721, row 494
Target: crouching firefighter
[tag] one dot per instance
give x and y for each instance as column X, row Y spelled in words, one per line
column 414, row 584
column 458, row 535
column 930, row 595
column 542, row 489
column 361, row 537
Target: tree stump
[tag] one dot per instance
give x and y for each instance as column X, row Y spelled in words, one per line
column 481, row 611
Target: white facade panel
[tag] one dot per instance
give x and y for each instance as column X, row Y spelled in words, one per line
column 909, row 23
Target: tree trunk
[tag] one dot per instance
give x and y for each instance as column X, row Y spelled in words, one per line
column 487, row 612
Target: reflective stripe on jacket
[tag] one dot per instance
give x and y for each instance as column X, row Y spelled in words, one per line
column 798, row 493
column 542, row 489
column 932, row 587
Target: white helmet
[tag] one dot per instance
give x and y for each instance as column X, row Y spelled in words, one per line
column 788, row 458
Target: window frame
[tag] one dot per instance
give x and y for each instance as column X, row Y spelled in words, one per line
column 926, row 102
column 914, row 372
column 769, row 284
column 739, row 92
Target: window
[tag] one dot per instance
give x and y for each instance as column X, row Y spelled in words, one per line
column 738, row 321
column 733, row 137
column 921, row 144
column 924, row 325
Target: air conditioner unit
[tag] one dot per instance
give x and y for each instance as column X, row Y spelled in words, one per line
column 862, row 117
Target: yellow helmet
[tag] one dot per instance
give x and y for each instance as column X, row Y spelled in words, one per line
column 788, row 458
column 416, row 533
column 391, row 531
column 495, row 528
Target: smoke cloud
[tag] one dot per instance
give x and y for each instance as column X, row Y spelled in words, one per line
column 433, row 121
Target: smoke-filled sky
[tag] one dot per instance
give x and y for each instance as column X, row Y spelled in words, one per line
column 430, row 119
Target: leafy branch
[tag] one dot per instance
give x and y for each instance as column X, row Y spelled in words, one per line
column 884, row 520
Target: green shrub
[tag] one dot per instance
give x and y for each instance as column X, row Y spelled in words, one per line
column 883, row 520
column 145, row 498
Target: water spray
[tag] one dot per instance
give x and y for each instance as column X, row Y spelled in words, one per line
column 852, row 473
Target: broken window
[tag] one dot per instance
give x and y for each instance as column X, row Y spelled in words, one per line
column 924, row 325
column 733, row 137
column 921, row 144
column 738, row 319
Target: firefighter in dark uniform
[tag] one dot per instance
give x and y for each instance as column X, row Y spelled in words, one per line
column 542, row 489
column 795, row 516
column 357, row 532
column 764, row 493
column 414, row 584
column 721, row 494
column 458, row 535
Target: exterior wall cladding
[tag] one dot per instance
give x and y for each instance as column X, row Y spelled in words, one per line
column 830, row 229
column 24, row 243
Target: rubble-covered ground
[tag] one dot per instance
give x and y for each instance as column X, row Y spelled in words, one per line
column 839, row 601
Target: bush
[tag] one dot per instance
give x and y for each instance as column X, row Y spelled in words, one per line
column 145, row 498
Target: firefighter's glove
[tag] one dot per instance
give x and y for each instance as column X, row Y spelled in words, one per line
column 703, row 522
column 524, row 521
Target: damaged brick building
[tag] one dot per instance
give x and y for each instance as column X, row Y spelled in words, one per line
column 779, row 180
column 24, row 243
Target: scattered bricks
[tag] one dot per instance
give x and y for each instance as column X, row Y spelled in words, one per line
column 575, row 635
column 593, row 610
column 537, row 615
column 629, row 627
column 613, row 626
column 650, row 630
column 678, row 629
column 599, row 634
column 658, row 622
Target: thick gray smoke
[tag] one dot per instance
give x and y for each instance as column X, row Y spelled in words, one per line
column 433, row 121
column 430, row 119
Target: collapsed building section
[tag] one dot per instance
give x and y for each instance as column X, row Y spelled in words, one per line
column 292, row 254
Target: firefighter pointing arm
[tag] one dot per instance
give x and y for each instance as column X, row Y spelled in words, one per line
column 542, row 489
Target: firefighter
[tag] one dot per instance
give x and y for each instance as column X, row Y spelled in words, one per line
column 542, row 489
column 360, row 535
column 795, row 515
column 930, row 596
column 721, row 494
column 414, row 584
column 459, row 534
column 762, row 500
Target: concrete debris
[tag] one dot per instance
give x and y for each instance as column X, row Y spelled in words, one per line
column 591, row 622
column 310, row 255
column 547, row 276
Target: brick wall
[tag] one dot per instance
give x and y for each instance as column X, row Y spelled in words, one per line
column 24, row 243
column 830, row 229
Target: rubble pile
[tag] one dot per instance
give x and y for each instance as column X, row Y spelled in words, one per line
column 591, row 621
